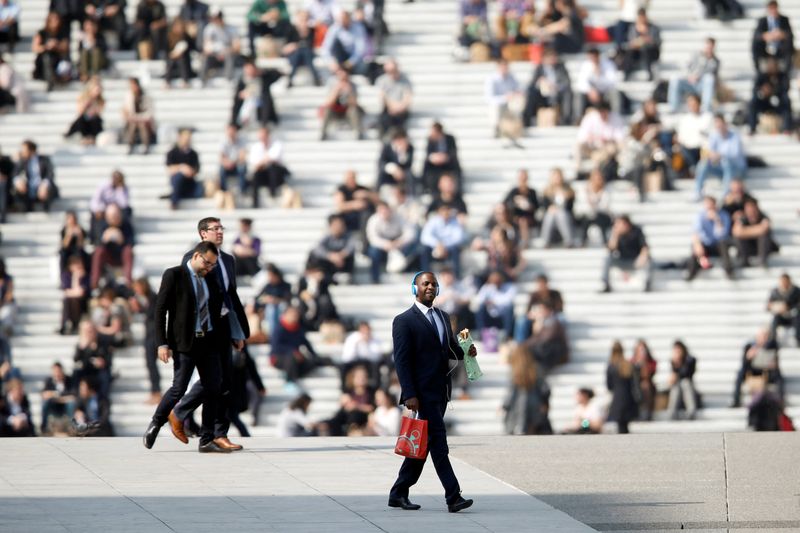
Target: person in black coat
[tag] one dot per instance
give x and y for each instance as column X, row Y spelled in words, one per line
column 441, row 157
column 188, row 327
column 759, row 358
column 253, row 88
column 622, row 381
column 394, row 163
column 771, row 95
column 233, row 327
column 773, row 37
column 34, row 178
column 291, row 350
column 423, row 345
column 549, row 87
column 784, row 305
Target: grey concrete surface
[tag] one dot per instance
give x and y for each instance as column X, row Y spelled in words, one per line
column 290, row 485
column 703, row 482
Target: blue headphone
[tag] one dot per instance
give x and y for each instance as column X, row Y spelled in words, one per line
column 414, row 283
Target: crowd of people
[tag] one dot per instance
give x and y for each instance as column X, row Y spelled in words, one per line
column 400, row 219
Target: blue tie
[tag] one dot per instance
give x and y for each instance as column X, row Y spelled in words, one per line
column 435, row 327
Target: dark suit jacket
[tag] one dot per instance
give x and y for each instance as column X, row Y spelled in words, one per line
column 421, row 361
column 389, row 155
column 451, row 150
column 46, row 169
column 176, row 309
column 783, row 25
column 228, row 261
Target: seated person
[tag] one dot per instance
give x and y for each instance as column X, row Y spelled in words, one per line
column 91, row 103
column 549, row 87
column 760, row 358
column 516, row 22
column 725, row 157
column 92, row 358
column 733, row 202
column 15, row 411
column 58, row 397
column 548, row 343
column 252, row 99
column 543, row 292
column 455, row 297
column 9, row 23
column 474, row 24
column 600, row 136
column 315, row 302
column 595, row 208
column 265, row 161
column 183, row 167
column 180, row 46
column 441, row 156
column 220, row 46
column 346, row 44
column 341, row 103
column 335, row 253
column 523, row 204
column 273, row 299
column 598, row 81
column 34, row 179
column 354, row 202
column 627, row 249
column 51, row 46
column 562, row 28
column 112, row 192
column 500, row 89
column 195, row 17
column 495, row 301
column 784, row 306
column 92, row 410
column 73, row 241
column 681, row 382
column 448, row 194
column 442, row 238
column 558, row 200
column 711, row 238
column 773, row 37
column 137, row 113
column 700, row 79
column 752, row 235
column 589, row 416
column 691, row 133
column 150, row 29
column 396, row 95
column 246, row 249
column 643, row 48
column 12, row 89
column 771, row 96
column 110, row 16
column 111, row 319
column 299, row 47
column 233, row 159
column 361, row 348
column 503, row 254
column 291, row 350
column 355, row 405
column 76, row 291
column 394, row 163
column 267, row 17
column 92, row 51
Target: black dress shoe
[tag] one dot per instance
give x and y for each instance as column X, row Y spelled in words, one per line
column 212, row 447
column 403, row 503
column 459, row 505
column 150, row 435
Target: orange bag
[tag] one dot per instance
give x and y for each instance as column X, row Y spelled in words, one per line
column 319, row 34
column 413, row 439
column 535, row 52
column 596, row 34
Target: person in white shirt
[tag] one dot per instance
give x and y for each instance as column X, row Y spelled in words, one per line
column 495, row 302
column 600, row 130
column 692, row 130
column 322, row 12
column 265, row 159
column 597, row 81
column 9, row 23
column 442, row 238
column 499, row 89
column 384, row 421
column 396, row 97
column 232, row 159
column 361, row 346
column 293, row 420
column 388, row 232
column 594, row 207
column 220, row 46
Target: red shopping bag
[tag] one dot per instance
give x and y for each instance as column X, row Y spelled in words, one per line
column 535, row 51
column 596, row 34
column 413, row 439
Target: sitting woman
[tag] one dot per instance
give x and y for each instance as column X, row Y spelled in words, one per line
column 137, row 112
column 90, row 108
column 51, row 46
column 355, row 405
column 558, row 199
column 595, row 207
column 75, row 287
column 291, row 350
column 179, row 53
column 92, row 358
column 93, row 51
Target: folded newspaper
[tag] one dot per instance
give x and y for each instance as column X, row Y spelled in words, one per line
column 470, row 363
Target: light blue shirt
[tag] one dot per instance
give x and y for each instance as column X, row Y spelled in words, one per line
column 9, row 12
column 353, row 40
column 708, row 231
column 437, row 319
column 200, row 298
column 438, row 230
column 728, row 146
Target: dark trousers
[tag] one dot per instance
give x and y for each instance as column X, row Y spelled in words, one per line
column 643, row 58
column 759, row 247
column 437, row 449
column 764, row 105
column 194, row 398
column 504, row 320
column 720, row 250
column 151, row 359
column 205, row 357
column 792, row 321
column 387, row 121
column 10, row 36
column 88, row 127
column 272, row 177
column 773, row 377
column 535, row 100
column 71, row 312
column 601, row 220
column 179, row 67
column 783, row 53
column 303, row 57
column 184, row 187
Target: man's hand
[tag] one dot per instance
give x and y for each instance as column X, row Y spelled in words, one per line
column 164, row 353
column 238, row 344
column 412, row 404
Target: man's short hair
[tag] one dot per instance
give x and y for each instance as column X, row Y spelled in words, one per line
column 711, row 40
column 30, row 145
column 589, row 393
column 719, row 116
column 772, row 3
column 205, row 246
column 205, row 223
column 626, row 219
column 542, row 277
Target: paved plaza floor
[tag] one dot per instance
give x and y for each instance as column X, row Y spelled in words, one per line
column 316, row 485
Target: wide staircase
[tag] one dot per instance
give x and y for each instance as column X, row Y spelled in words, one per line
column 712, row 315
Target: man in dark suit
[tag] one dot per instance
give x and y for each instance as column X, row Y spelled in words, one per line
column 773, row 37
column 34, row 178
column 394, row 162
column 233, row 332
column 549, row 87
column 254, row 86
column 441, row 156
column 188, row 326
column 423, row 345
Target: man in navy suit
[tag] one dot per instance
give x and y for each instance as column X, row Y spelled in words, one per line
column 424, row 343
column 234, row 330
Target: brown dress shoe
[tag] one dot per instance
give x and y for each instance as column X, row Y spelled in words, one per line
column 226, row 444
column 177, row 428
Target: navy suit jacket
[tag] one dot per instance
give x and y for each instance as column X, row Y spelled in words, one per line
column 420, row 359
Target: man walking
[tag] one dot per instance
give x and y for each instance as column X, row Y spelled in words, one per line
column 423, row 344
